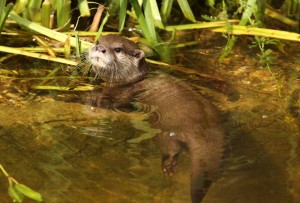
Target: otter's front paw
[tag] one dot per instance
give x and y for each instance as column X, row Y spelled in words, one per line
column 169, row 164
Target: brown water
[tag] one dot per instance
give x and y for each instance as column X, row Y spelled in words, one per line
column 72, row 153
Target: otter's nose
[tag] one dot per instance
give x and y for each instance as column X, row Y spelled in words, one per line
column 100, row 48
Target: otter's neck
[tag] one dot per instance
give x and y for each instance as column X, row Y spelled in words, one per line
column 118, row 83
column 135, row 75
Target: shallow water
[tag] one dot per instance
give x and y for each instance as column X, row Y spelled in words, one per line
column 72, row 153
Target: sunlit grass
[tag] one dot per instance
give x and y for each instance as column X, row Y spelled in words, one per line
column 151, row 21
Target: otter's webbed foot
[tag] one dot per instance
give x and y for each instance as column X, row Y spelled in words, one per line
column 169, row 164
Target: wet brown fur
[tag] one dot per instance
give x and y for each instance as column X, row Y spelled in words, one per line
column 185, row 118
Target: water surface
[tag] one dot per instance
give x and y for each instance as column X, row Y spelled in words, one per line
column 72, row 153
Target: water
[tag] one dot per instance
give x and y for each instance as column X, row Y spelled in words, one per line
column 72, row 153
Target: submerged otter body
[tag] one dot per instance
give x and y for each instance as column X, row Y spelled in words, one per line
column 186, row 120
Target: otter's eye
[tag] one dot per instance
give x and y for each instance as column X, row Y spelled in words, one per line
column 118, row 50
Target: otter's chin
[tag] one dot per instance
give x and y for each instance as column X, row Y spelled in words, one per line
column 97, row 62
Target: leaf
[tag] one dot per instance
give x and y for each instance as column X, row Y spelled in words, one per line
column 122, row 14
column 165, row 10
column 150, row 20
column 84, row 8
column 142, row 22
column 4, row 14
column 210, row 3
column 14, row 194
column 101, row 26
column 48, row 32
column 156, row 15
column 186, row 10
column 268, row 52
column 28, row 192
column 46, row 13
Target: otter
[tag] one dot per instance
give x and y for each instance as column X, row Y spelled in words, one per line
column 185, row 118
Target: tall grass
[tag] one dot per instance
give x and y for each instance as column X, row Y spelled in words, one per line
column 4, row 12
column 153, row 20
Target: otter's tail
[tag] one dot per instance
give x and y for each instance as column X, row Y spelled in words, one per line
column 203, row 169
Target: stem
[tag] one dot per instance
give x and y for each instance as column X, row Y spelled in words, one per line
column 4, row 171
column 47, row 32
column 101, row 26
column 96, row 20
column 10, row 179
column 37, row 55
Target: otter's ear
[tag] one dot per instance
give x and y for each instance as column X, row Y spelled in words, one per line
column 138, row 54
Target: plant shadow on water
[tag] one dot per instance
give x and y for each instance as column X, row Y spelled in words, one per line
column 70, row 153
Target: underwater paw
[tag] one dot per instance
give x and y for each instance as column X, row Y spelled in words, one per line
column 169, row 165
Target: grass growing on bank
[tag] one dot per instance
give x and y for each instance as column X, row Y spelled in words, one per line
column 38, row 17
column 52, row 19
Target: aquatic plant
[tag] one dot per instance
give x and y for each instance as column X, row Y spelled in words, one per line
column 18, row 191
column 265, row 56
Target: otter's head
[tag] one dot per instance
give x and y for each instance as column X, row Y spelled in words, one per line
column 118, row 61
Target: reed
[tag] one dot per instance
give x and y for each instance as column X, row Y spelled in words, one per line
column 152, row 20
column 4, row 14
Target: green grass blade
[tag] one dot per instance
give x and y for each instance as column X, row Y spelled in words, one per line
column 210, row 3
column 254, row 31
column 63, row 14
column 150, row 20
column 46, row 12
column 2, row 5
column 141, row 20
column 61, row 37
column 122, row 14
column 156, row 15
column 186, row 10
column 84, row 8
column 4, row 15
column 37, row 55
column 36, row 4
column 166, row 8
column 32, row 10
column 199, row 25
column 20, row 6
column 101, row 26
